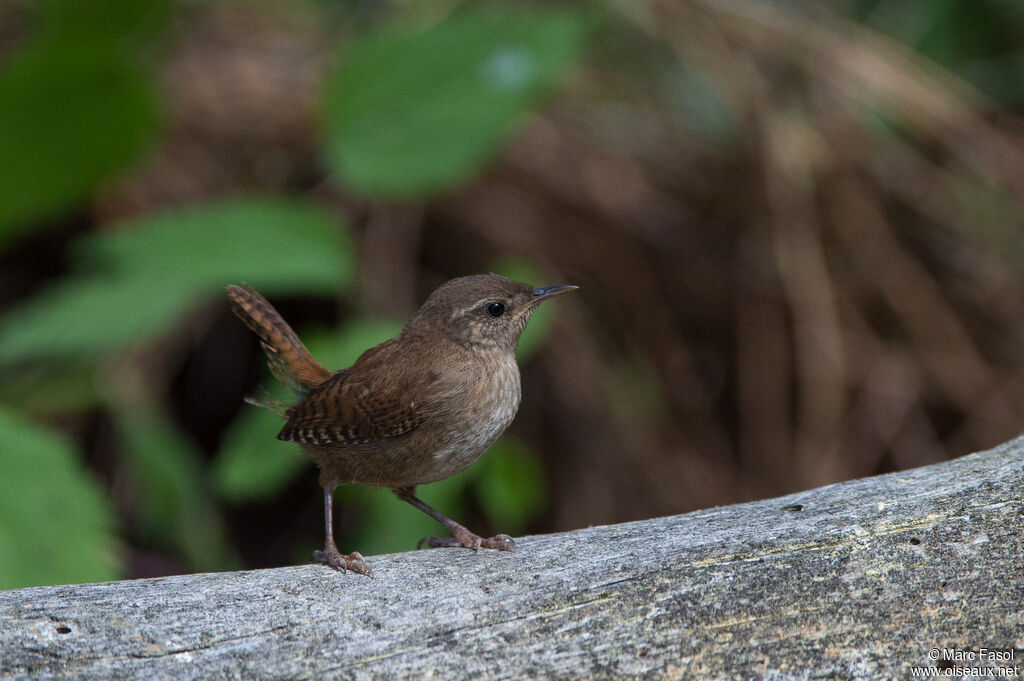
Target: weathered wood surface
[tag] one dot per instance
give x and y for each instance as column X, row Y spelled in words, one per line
column 856, row 580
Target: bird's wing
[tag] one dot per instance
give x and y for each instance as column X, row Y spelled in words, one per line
column 351, row 410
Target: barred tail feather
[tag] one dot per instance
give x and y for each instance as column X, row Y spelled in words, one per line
column 289, row 360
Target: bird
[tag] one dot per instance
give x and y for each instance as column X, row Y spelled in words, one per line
column 412, row 410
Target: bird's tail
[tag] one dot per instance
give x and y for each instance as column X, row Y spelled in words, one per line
column 289, row 360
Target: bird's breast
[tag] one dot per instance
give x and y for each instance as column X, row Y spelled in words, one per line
column 486, row 398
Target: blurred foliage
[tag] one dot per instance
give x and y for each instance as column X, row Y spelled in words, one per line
column 177, row 512
column 980, row 41
column 54, row 521
column 507, row 482
column 411, row 112
column 75, row 107
column 540, row 323
column 798, row 228
column 138, row 281
column 131, row 284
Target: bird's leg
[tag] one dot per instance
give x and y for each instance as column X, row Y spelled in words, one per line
column 463, row 538
column 331, row 555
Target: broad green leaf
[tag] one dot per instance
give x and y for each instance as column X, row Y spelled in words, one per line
column 387, row 525
column 253, row 463
column 277, row 245
column 139, row 281
column 89, row 315
column 74, row 108
column 409, row 113
column 507, row 481
column 101, row 21
column 176, row 508
column 510, row 486
column 55, row 525
column 342, row 349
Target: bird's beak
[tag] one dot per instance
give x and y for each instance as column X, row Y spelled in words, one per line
column 540, row 294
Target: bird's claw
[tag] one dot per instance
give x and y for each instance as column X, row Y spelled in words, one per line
column 468, row 540
column 331, row 557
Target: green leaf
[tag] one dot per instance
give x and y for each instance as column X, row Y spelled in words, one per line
column 253, row 463
column 278, row 245
column 409, row 113
column 101, row 21
column 508, row 482
column 511, row 487
column 55, row 525
column 176, row 509
column 88, row 316
column 341, row 349
column 74, row 109
column 386, row 524
column 139, row 281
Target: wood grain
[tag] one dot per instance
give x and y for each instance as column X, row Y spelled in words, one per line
column 855, row 580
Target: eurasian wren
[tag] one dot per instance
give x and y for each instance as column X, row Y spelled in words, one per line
column 417, row 408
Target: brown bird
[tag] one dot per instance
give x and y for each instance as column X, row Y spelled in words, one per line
column 417, row 408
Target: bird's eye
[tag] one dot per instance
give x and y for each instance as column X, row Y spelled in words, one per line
column 495, row 309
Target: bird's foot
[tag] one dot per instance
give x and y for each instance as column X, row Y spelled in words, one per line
column 467, row 540
column 334, row 558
